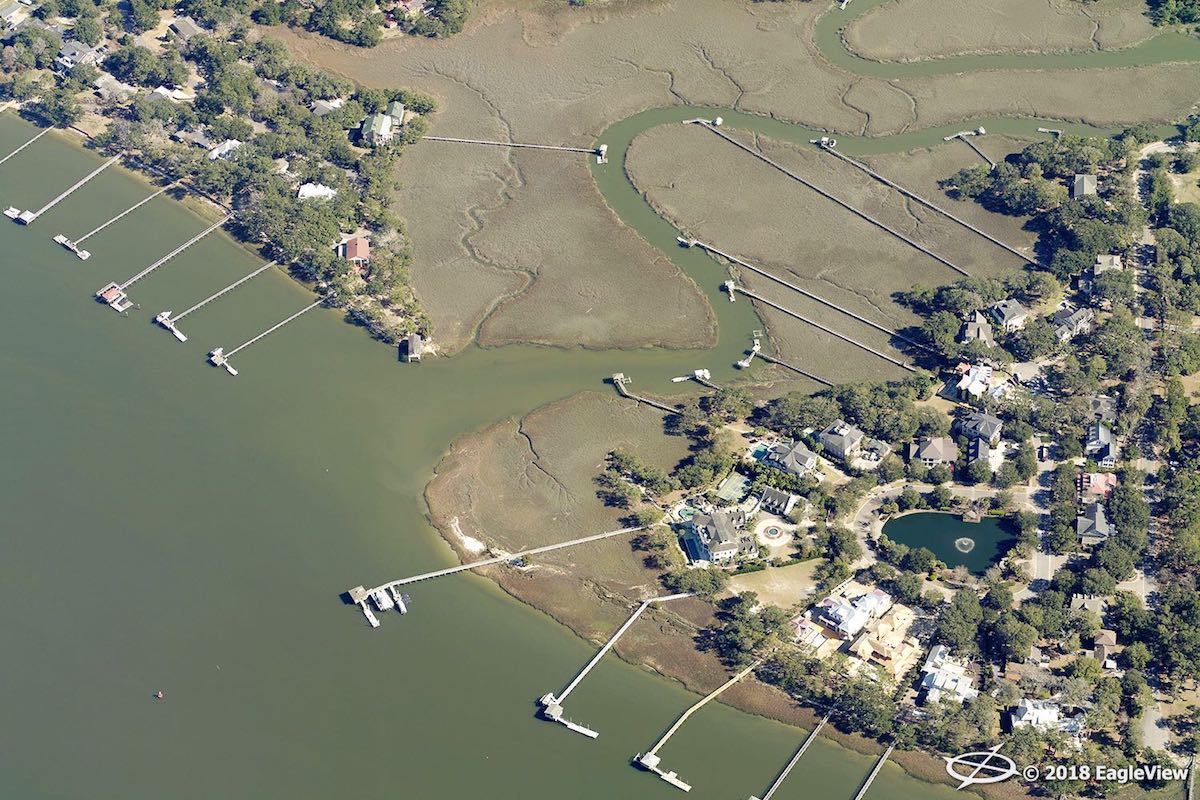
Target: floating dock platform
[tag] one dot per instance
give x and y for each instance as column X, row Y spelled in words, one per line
column 84, row 255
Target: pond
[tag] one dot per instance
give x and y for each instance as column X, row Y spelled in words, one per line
column 974, row 545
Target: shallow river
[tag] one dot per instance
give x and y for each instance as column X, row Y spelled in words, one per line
column 168, row 527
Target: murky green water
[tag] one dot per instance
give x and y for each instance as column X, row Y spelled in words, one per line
column 1164, row 48
column 170, row 527
column 974, row 545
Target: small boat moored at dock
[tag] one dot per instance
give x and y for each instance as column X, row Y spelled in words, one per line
column 84, row 255
column 163, row 318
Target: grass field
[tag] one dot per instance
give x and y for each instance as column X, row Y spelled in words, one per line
column 924, row 29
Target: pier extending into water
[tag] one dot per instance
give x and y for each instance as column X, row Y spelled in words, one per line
column 619, row 380
column 168, row 322
column 831, row 149
column 819, row 326
column 828, row 303
column 220, row 358
column 600, row 151
column 552, row 707
column 650, row 759
column 862, row 792
column 27, row 217
column 74, row 245
column 795, row 759
column 36, row 136
column 852, row 209
column 487, row 562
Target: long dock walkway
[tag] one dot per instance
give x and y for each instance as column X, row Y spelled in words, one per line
column 135, row 278
column 122, row 215
column 819, row 326
column 619, row 380
column 974, row 147
column 862, row 792
column 36, row 136
column 827, row 195
column 794, row 760
column 773, row 360
column 799, row 290
column 600, row 152
column 28, row 217
column 220, row 358
column 169, row 321
column 552, row 707
column 930, row 204
column 650, row 759
column 487, row 562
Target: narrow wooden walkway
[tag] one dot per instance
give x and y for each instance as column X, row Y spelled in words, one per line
column 773, row 360
column 931, row 205
column 856, row 211
column 794, row 760
column 862, row 792
column 36, row 136
column 646, row 400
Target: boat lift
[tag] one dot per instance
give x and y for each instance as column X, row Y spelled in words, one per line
column 169, row 322
column 113, row 294
column 219, row 358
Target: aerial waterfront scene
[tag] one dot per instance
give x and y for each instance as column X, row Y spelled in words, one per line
column 600, row 398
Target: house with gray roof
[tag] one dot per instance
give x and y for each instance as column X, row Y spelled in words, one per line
column 793, row 457
column 978, row 329
column 1009, row 315
column 323, row 108
column 842, row 440
column 74, row 53
column 933, row 450
column 1104, row 408
column 1092, row 526
column 1068, row 323
column 12, row 13
column 1106, row 262
column 1101, row 445
column 717, row 537
column 979, row 425
column 1083, row 185
column 777, row 501
column 185, row 28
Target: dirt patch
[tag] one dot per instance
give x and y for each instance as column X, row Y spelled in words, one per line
column 925, row 29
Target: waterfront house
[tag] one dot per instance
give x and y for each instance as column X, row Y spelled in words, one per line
column 377, row 129
column 842, row 440
column 1083, row 185
column 322, row 108
column 942, row 675
column 846, row 618
column 224, row 150
column 777, row 501
column 395, row 110
column 975, row 382
column 979, row 425
column 74, row 53
column 1045, row 715
column 110, row 89
column 185, row 28
column 717, row 537
column 195, row 137
column 1104, row 263
column 978, row 329
column 1010, row 315
column 885, row 644
column 315, row 191
column 1069, row 323
column 413, row 346
column 1092, row 526
column 791, row 457
column 1101, row 445
column 933, row 450
column 356, row 250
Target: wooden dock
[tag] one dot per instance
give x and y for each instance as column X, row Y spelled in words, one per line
column 169, row 321
column 862, row 792
column 600, row 151
column 552, row 706
column 135, row 278
column 794, row 760
column 650, row 759
column 773, row 360
column 826, row 329
column 118, row 217
column 799, row 290
column 36, row 136
column 829, row 196
column 619, row 380
column 933, row 206
column 28, row 217
column 220, row 358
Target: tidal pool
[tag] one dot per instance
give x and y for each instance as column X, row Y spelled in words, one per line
column 974, row 545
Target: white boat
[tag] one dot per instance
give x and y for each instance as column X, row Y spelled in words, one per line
column 366, row 609
column 12, row 212
column 383, row 600
column 399, row 598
